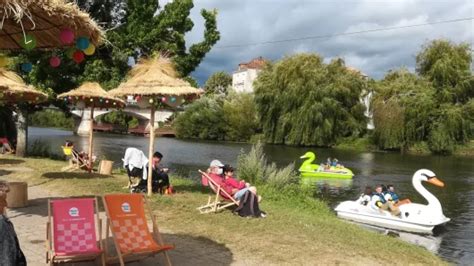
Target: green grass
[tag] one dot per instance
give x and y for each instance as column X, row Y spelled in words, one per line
column 357, row 144
column 298, row 230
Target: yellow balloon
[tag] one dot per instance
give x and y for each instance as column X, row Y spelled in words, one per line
column 90, row 50
column 3, row 61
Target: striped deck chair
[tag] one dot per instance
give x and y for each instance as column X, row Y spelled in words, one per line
column 128, row 224
column 222, row 199
column 71, row 235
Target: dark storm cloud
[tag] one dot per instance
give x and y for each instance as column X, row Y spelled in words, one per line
column 253, row 21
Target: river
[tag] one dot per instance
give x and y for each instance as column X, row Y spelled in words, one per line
column 454, row 241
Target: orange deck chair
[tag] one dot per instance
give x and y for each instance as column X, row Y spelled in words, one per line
column 220, row 193
column 71, row 235
column 127, row 222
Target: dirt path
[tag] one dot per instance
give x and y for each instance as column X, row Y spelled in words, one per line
column 30, row 225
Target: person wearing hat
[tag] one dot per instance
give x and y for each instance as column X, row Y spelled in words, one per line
column 379, row 201
column 216, row 168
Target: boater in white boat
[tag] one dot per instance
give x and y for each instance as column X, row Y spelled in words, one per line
column 379, row 201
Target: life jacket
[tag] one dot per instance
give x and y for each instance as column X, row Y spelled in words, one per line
column 393, row 195
column 381, row 197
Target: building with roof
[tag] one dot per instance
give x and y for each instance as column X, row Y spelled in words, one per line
column 243, row 78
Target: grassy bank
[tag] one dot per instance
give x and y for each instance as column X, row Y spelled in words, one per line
column 298, row 230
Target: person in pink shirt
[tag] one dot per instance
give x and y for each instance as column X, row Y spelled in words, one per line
column 237, row 188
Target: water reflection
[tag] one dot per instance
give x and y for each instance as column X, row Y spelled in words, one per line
column 185, row 157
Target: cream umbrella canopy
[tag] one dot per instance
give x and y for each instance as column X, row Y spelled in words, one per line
column 155, row 84
column 45, row 20
column 13, row 90
column 91, row 95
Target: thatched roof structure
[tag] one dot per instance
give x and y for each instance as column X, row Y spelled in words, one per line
column 44, row 19
column 92, row 94
column 14, row 90
column 155, row 77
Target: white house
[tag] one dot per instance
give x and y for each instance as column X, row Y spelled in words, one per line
column 243, row 78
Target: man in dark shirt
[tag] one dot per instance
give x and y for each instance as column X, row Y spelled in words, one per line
column 161, row 182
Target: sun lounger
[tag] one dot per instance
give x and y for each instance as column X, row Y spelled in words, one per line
column 76, row 161
column 222, row 199
column 71, row 233
column 127, row 221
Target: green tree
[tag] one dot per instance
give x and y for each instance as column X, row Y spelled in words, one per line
column 303, row 101
column 203, row 119
column 240, row 114
column 218, row 83
column 434, row 106
column 448, row 67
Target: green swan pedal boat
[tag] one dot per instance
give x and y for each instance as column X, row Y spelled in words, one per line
column 308, row 169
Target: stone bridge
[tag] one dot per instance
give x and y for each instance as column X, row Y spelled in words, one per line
column 143, row 116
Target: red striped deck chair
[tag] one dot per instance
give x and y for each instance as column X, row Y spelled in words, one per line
column 127, row 221
column 71, row 234
column 222, row 199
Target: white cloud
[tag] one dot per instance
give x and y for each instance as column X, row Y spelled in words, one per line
column 251, row 21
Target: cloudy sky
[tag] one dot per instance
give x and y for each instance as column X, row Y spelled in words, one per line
column 254, row 21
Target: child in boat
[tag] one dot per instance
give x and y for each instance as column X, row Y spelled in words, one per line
column 237, row 188
column 365, row 197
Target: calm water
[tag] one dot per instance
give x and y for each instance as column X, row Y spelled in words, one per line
column 455, row 241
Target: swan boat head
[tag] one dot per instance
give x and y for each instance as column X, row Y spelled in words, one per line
column 431, row 213
column 307, row 165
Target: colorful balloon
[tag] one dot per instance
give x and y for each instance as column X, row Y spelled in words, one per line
column 78, row 56
column 173, row 99
column 90, row 50
column 28, row 42
column 70, row 52
column 82, row 43
column 66, row 36
column 163, row 99
column 55, row 61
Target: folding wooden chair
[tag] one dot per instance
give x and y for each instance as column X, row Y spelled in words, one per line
column 71, row 235
column 127, row 222
column 222, row 199
column 76, row 162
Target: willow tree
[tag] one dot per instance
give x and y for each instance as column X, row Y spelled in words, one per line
column 402, row 109
column 303, row 101
column 434, row 106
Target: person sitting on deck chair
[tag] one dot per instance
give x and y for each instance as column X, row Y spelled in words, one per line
column 7, row 147
column 237, row 188
column 379, row 201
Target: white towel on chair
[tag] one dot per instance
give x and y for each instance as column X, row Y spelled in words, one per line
column 135, row 158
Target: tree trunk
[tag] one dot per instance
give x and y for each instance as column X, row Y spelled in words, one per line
column 22, row 133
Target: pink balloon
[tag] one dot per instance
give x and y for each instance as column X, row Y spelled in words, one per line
column 67, row 36
column 55, row 61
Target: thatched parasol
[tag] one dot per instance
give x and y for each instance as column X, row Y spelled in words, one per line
column 155, row 84
column 45, row 20
column 91, row 95
column 14, row 90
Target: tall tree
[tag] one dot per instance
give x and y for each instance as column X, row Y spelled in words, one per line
column 303, row 101
column 218, row 83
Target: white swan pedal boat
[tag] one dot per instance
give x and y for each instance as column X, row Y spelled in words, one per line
column 414, row 217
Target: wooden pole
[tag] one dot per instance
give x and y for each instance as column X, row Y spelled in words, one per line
column 91, row 133
column 151, row 151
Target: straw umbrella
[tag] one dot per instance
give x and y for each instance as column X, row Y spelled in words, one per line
column 155, row 85
column 46, row 21
column 91, row 95
column 13, row 90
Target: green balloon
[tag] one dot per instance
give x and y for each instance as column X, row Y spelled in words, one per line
column 28, row 42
